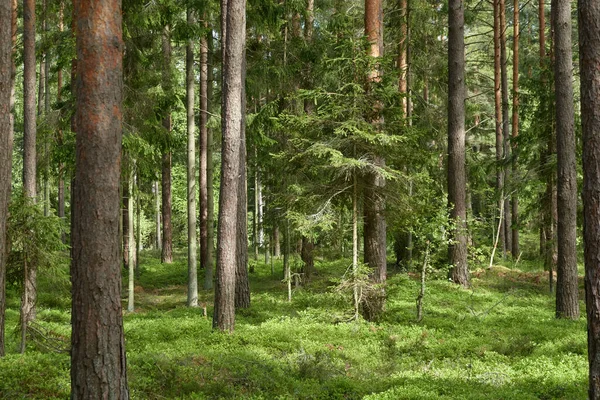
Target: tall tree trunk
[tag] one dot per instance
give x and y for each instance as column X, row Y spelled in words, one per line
column 255, row 210
column 157, row 215
column 61, row 166
column 567, row 299
column 589, row 59
column 276, row 242
column 549, row 202
column 126, row 210
column 29, row 297
column 375, row 241
column 233, row 22
column 8, row 10
column 167, row 234
column 515, row 129
column 192, row 294
column 44, row 107
column 505, row 129
column 356, row 291
column 498, row 115
column 203, row 149
column 98, row 364
column 242, row 283
column 130, row 239
column 457, row 178
column 208, row 273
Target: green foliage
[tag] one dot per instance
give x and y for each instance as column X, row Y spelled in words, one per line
column 34, row 239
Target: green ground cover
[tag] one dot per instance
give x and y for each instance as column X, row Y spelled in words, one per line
column 497, row 340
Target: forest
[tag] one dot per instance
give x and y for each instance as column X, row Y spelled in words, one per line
column 299, row 199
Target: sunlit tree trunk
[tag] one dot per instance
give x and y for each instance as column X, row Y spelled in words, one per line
column 192, row 294
column 457, row 178
column 29, row 296
column 98, row 365
column 234, row 32
column 242, row 282
column 130, row 239
column 157, row 212
column 567, row 292
column 374, row 202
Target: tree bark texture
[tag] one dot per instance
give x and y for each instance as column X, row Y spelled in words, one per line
column 567, row 299
column 167, row 202
column 29, row 146
column 7, row 36
column 457, row 178
column 192, row 294
column 242, row 282
column 234, row 32
column 307, row 257
column 589, row 59
column 98, row 365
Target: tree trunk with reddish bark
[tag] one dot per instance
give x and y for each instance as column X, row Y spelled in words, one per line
column 98, row 365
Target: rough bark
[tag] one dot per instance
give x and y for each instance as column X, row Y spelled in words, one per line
column 589, row 59
column 167, row 202
column 98, row 365
column 515, row 129
column 28, row 299
column 192, row 294
column 242, row 282
column 234, row 31
column 457, row 178
column 7, row 75
column 567, row 299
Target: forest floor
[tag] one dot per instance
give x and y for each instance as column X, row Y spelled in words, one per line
column 497, row 340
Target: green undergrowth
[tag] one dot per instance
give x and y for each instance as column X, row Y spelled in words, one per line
column 497, row 340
